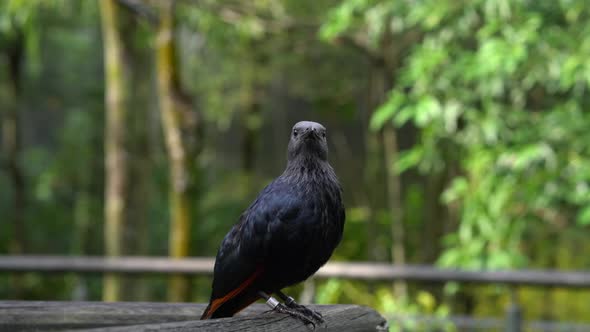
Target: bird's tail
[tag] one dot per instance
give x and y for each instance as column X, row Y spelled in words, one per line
column 229, row 308
column 207, row 313
column 235, row 300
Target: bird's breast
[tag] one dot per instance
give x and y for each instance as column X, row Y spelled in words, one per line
column 310, row 241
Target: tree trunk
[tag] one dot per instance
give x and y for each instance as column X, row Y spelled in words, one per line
column 250, row 120
column 251, row 97
column 140, row 123
column 394, row 195
column 140, row 181
column 374, row 187
column 11, row 141
column 434, row 217
column 249, row 140
column 372, row 190
column 82, row 220
column 174, row 110
column 115, row 156
column 382, row 86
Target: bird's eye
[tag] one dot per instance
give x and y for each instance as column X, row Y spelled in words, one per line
column 295, row 133
column 323, row 134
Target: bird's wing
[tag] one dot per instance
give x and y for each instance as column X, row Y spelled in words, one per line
column 234, row 272
column 240, row 261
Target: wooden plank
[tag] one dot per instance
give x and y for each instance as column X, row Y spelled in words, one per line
column 53, row 316
column 89, row 264
column 361, row 271
column 138, row 316
column 345, row 318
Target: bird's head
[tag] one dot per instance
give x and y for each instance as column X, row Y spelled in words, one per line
column 308, row 139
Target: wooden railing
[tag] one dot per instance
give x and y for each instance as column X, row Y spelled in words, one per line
column 361, row 271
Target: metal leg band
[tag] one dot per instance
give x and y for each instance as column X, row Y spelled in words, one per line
column 272, row 302
column 289, row 300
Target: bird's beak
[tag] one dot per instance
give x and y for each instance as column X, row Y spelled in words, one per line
column 311, row 134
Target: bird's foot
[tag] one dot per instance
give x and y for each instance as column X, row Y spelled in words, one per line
column 316, row 316
column 290, row 302
column 306, row 319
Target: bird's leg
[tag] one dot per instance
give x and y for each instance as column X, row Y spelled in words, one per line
column 275, row 305
column 290, row 302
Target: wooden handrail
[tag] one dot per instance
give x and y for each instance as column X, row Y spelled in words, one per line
column 356, row 270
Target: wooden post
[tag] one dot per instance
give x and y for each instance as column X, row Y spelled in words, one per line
column 514, row 313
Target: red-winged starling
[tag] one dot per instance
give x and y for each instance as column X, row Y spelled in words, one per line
column 286, row 234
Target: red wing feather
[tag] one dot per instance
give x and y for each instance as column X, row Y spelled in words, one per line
column 218, row 302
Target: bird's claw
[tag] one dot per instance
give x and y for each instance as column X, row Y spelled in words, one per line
column 305, row 318
column 316, row 316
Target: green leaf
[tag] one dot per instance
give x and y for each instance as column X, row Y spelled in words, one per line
column 386, row 111
column 584, row 216
column 457, row 189
column 408, row 159
column 530, row 154
column 341, row 18
column 404, row 115
column 427, row 109
column 381, row 116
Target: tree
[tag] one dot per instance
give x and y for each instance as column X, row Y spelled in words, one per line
column 486, row 94
column 385, row 50
column 11, row 143
column 115, row 156
column 179, row 124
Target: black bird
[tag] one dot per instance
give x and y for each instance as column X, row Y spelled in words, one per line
column 285, row 236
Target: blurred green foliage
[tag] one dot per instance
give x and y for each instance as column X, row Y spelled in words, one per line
column 489, row 99
column 504, row 84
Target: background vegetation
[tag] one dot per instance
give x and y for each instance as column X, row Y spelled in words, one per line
column 459, row 130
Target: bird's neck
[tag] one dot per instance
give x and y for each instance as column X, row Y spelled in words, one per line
column 309, row 169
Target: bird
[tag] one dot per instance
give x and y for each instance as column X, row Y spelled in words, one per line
column 288, row 232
